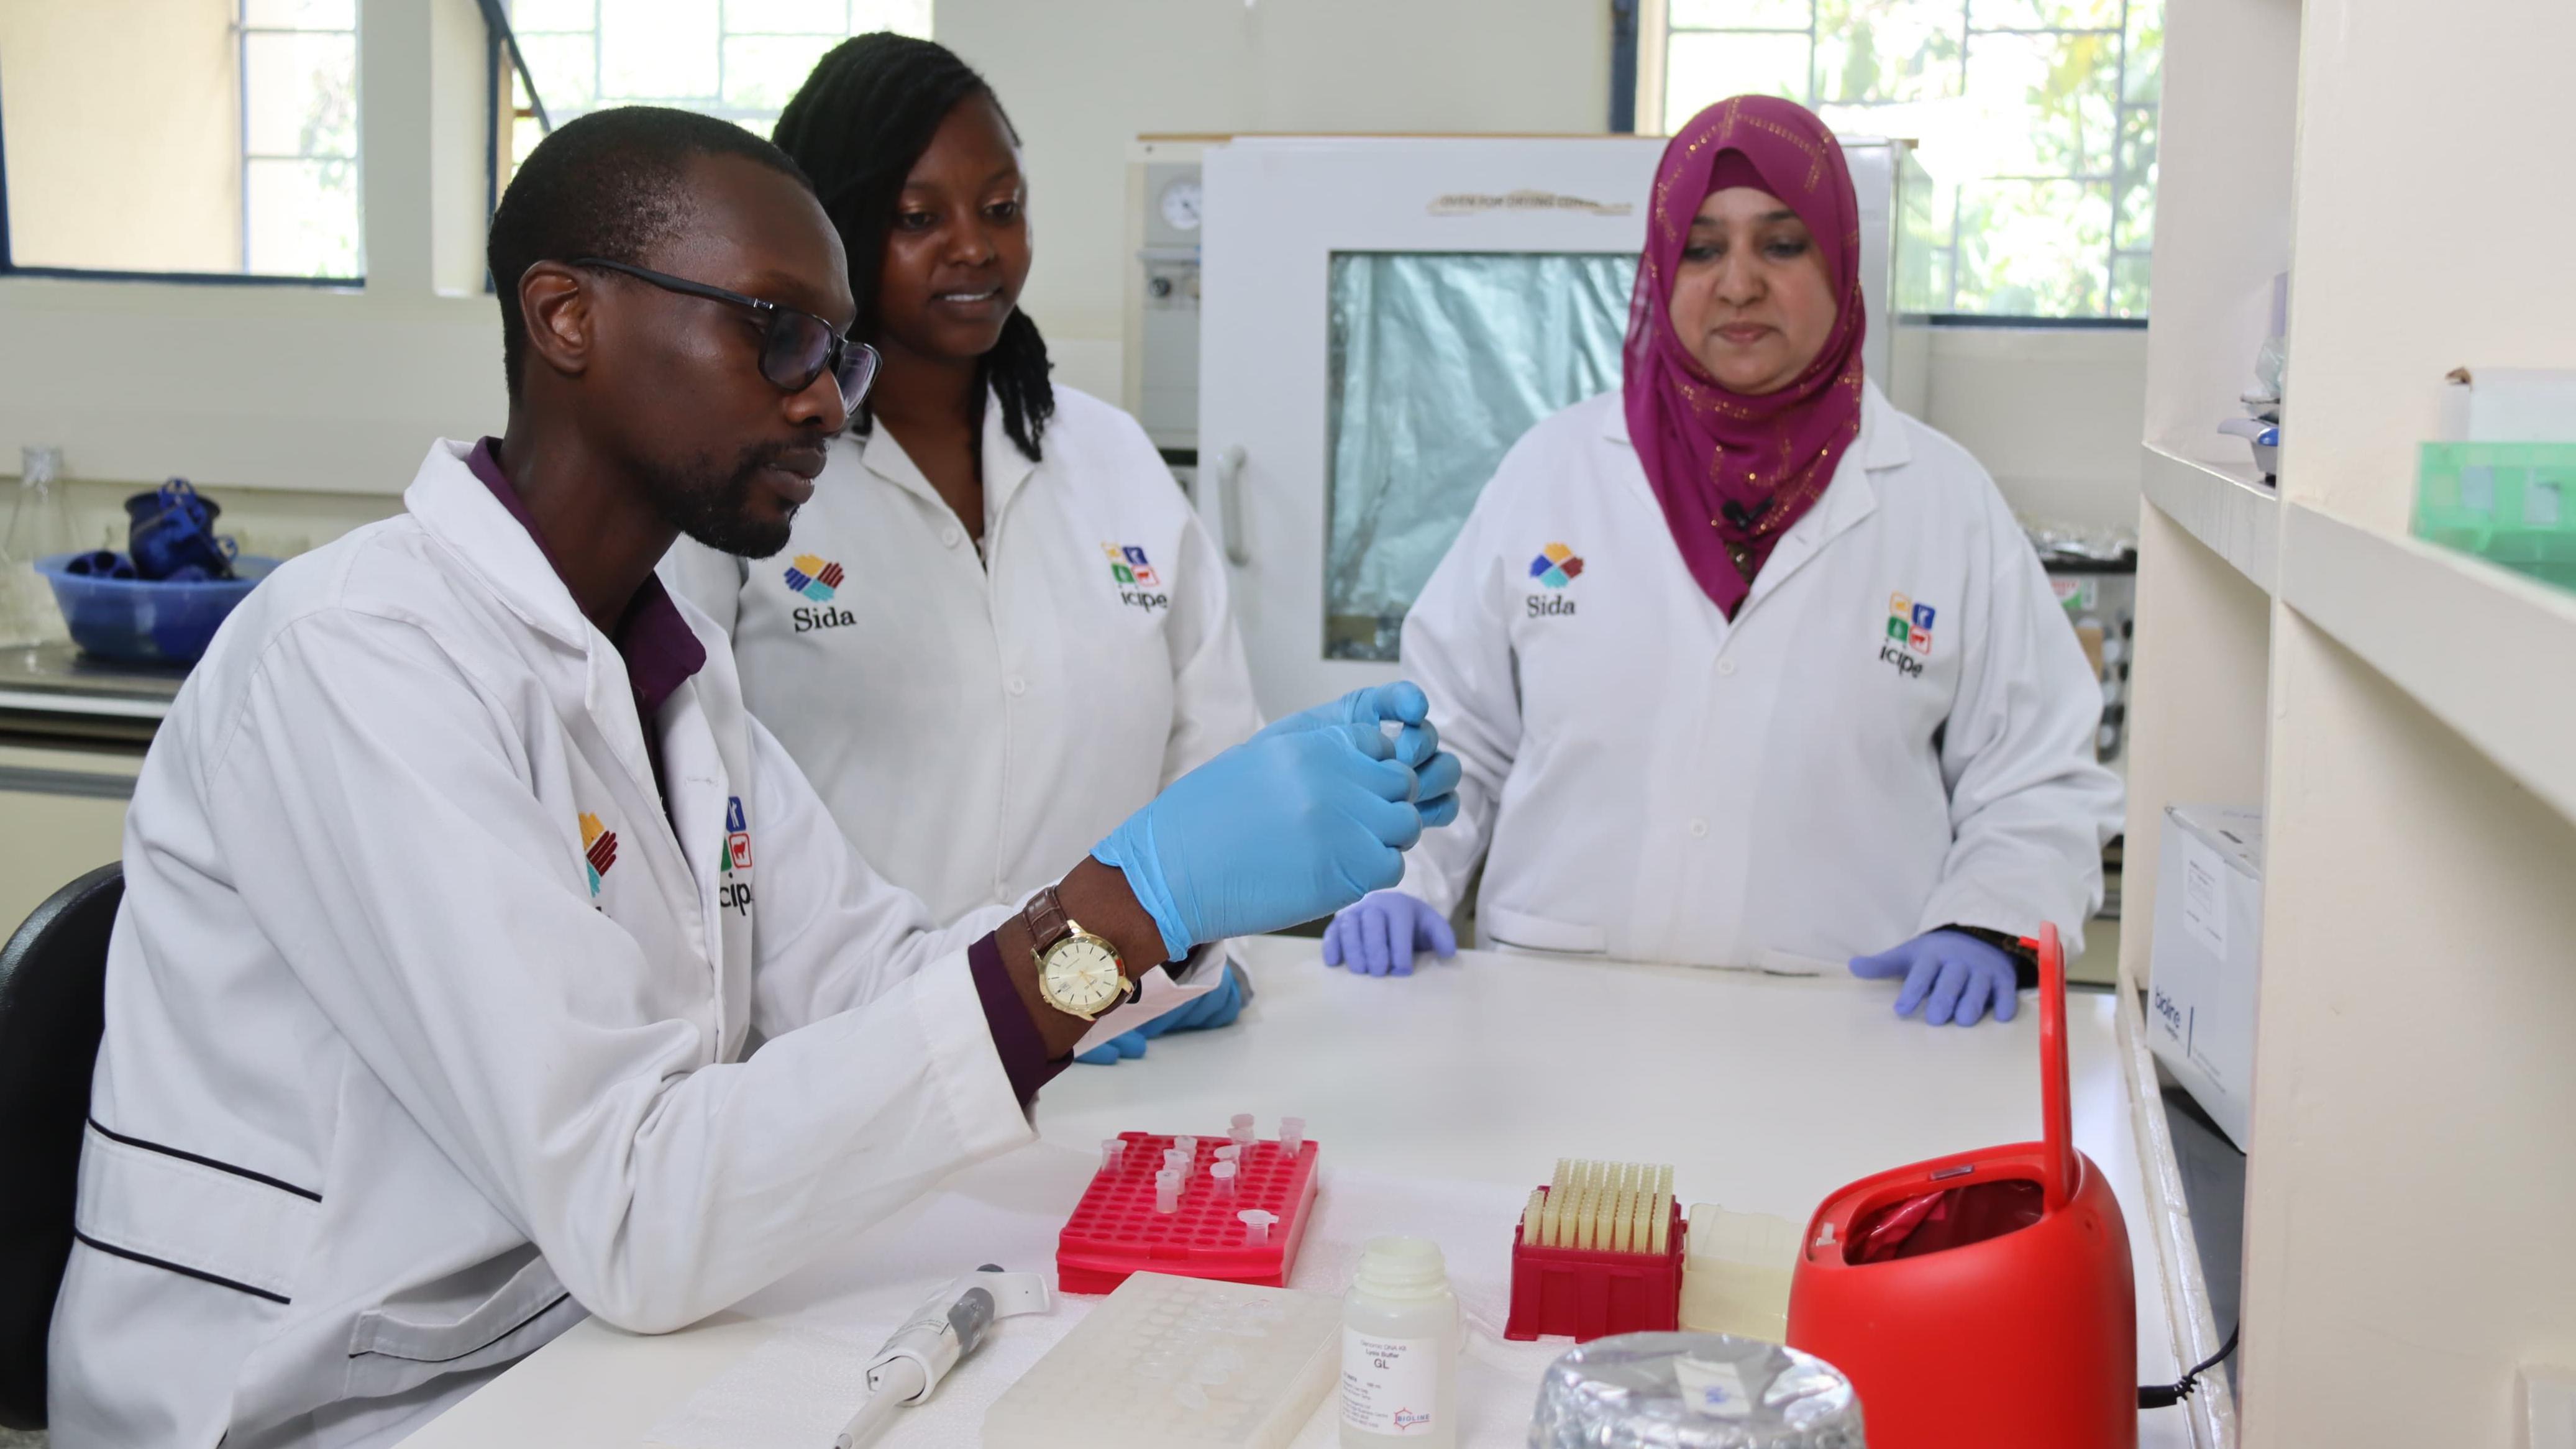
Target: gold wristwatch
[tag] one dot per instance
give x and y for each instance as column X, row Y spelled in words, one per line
column 1079, row 973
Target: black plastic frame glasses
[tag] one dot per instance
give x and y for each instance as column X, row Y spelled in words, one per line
column 796, row 347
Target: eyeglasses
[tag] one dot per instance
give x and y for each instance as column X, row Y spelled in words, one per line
column 796, row 347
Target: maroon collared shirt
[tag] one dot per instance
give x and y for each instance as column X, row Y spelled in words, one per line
column 662, row 652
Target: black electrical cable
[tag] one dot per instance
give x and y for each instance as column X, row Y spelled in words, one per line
column 2165, row 1396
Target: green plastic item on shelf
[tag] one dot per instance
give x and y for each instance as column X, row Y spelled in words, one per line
column 2512, row 504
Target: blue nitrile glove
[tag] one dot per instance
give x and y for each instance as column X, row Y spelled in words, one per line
column 1417, row 744
column 1210, row 1009
column 1378, row 936
column 1960, row 975
column 1285, row 827
column 1115, row 1050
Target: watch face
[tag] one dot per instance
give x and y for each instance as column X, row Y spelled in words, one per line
column 1082, row 976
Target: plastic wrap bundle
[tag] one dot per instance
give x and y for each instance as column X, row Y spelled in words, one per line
column 1693, row 1391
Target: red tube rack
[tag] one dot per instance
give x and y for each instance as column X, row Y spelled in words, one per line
column 1587, row 1293
column 1115, row 1231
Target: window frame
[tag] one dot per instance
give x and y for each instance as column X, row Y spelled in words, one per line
column 1646, row 78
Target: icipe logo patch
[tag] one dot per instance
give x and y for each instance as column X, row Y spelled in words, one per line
column 1909, row 635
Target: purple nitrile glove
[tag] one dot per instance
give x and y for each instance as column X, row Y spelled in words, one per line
column 1953, row 976
column 1378, row 935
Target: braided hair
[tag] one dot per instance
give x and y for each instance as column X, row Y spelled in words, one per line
column 856, row 126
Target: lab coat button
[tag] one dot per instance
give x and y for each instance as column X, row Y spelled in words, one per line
column 1726, row 666
column 951, row 536
column 1699, row 830
column 1017, row 686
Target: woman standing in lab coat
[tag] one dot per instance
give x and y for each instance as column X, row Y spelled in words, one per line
column 1742, row 663
column 999, row 627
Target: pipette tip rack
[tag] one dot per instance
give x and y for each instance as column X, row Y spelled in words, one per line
column 1118, row 1228
column 1599, row 1251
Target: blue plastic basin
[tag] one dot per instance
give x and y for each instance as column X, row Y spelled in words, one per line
column 137, row 622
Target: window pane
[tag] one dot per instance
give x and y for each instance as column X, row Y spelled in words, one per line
column 567, row 72
column 905, row 17
column 303, row 217
column 1738, row 14
column 2034, row 248
column 1702, row 69
column 660, row 50
column 2146, row 56
column 761, row 72
column 301, row 96
column 2129, row 286
column 2047, row 14
column 537, row 15
column 1436, row 364
column 785, row 17
column 2048, row 101
column 1876, row 51
column 135, row 147
column 2135, row 199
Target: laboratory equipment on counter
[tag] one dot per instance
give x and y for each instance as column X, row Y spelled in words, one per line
column 945, row 1328
column 1400, row 1342
column 1177, row 1363
column 1154, row 1206
column 1736, row 1276
column 1381, row 317
column 1703, row 1391
column 2207, row 957
column 1984, row 1296
column 1598, row 1251
column 39, row 527
column 147, row 621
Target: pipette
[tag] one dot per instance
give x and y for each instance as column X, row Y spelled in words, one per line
column 945, row 1328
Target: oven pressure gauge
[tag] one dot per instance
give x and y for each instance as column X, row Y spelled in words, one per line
column 1181, row 204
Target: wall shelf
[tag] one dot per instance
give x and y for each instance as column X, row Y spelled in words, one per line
column 2226, row 507
column 2481, row 648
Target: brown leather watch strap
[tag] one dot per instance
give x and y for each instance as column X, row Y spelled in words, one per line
column 1046, row 921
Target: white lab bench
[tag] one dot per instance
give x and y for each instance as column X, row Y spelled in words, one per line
column 1439, row 1101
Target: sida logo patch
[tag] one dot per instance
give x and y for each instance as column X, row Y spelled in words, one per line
column 598, row 849
column 1909, row 635
column 816, row 579
column 1139, row 587
column 733, row 891
column 1554, row 568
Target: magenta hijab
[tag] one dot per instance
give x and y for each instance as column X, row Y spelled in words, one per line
column 1733, row 472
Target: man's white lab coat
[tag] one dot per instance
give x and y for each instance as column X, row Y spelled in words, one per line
column 976, row 724
column 1894, row 733
column 424, row 1022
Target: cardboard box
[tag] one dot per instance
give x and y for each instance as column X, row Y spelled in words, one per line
column 2207, row 956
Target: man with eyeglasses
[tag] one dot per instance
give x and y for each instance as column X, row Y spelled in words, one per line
column 459, row 883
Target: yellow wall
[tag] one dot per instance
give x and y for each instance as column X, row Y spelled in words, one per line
column 133, row 165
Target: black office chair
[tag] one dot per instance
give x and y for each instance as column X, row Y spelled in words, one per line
column 53, row 1007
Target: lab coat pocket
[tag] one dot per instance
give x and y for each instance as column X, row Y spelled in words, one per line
column 188, row 1213
column 491, row 1313
column 1538, row 933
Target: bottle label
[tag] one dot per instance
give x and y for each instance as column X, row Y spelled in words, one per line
column 1388, row 1384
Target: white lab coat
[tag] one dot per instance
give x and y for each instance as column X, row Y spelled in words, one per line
column 1659, row 783
column 398, row 1082
column 976, row 725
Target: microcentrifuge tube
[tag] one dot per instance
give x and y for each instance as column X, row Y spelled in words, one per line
column 1256, row 1224
column 1292, row 1136
column 1167, row 1192
column 1175, row 1160
column 1189, row 1145
column 1113, row 1153
column 1229, row 1152
column 1223, row 1172
column 1241, row 1132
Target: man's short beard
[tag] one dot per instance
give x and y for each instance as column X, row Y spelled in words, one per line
column 713, row 505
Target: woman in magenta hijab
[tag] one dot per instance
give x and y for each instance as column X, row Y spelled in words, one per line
column 1747, row 668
